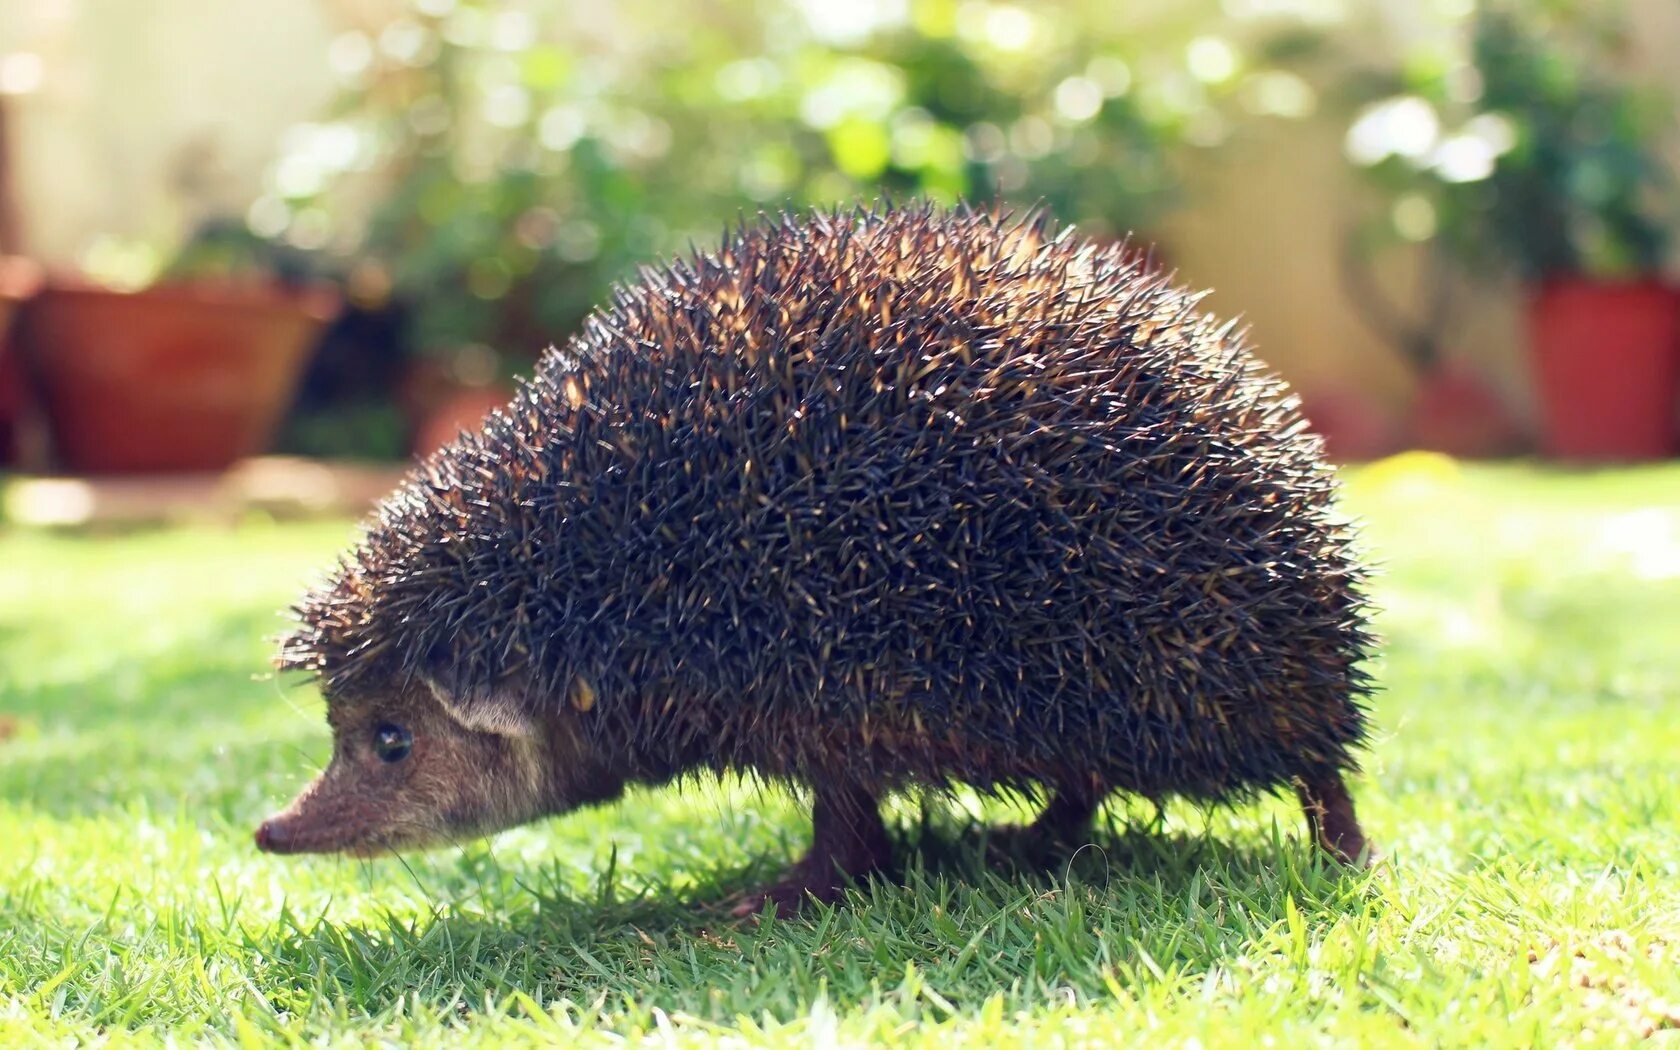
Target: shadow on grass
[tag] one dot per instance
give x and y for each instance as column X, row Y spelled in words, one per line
column 1130, row 908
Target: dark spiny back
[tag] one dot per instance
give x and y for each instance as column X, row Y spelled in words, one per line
column 883, row 490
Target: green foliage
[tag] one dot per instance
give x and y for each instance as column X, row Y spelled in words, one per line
column 526, row 156
column 1522, row 783
column 222, row 252
column 1578, row 191
column 1525, row 151
column 374, row 430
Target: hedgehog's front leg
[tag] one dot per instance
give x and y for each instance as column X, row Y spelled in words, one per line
column 848, row 842
column 1331, row 818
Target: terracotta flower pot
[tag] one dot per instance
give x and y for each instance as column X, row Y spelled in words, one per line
column 1355, row 429
column 463, row 409
column 12, row 402
column 1456, row 412
column 174, row 378
column 1607, row 361
column 19, row 280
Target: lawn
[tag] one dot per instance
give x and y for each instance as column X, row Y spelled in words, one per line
column 1523, row 783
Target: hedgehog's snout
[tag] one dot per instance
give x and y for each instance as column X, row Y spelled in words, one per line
column 273, row 836
column 408, row 772
column 327, row 816
column 286, row 834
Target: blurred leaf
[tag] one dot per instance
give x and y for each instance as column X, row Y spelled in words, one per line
column 665, row 128
column 1580, row 188
column 544, row 68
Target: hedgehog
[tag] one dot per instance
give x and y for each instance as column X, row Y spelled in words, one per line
column 861, row 502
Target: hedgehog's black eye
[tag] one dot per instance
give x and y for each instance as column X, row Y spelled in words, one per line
column 392, row 743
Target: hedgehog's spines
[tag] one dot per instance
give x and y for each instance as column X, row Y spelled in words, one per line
column 890, row 469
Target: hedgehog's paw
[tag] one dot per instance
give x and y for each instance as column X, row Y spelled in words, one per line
column 1062, row 827
column 848, row 843
column 815, row 879
column 1359, row 854
column 786, row 897
column 1033, row 845
column 1332, row 821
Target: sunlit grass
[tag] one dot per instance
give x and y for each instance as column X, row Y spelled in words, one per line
column 1523, row 783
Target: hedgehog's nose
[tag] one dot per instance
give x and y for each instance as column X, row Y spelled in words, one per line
column 271, row 836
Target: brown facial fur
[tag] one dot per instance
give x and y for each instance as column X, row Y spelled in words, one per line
column 456, row 782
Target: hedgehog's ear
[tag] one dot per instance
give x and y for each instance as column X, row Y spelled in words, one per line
column 499, row 709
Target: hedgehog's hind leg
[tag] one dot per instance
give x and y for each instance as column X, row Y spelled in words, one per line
column 1066, row 818
column 1331, row 819
column 848, row 842
column 1063, row 823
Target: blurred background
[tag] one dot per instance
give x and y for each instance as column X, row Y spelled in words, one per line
column 266, row 251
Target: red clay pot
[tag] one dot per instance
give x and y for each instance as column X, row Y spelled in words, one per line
column 1607, row 360
column 1354, row 427
column 463, row 409
column 173, row 378
column 19, row 280
column 1455, row 411
column 12, row 404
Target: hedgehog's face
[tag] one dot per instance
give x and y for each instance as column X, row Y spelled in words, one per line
column 407, row 771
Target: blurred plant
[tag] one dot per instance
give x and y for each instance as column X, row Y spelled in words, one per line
column 1581, row 188
column 1509, row 147
column 523, row 156
column 224, row 250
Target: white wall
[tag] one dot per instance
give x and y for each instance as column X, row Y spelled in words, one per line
column 152, row 114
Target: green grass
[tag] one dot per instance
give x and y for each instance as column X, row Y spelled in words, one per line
column 1523, row 781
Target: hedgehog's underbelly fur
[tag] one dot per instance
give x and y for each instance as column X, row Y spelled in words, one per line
column 913, row 497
